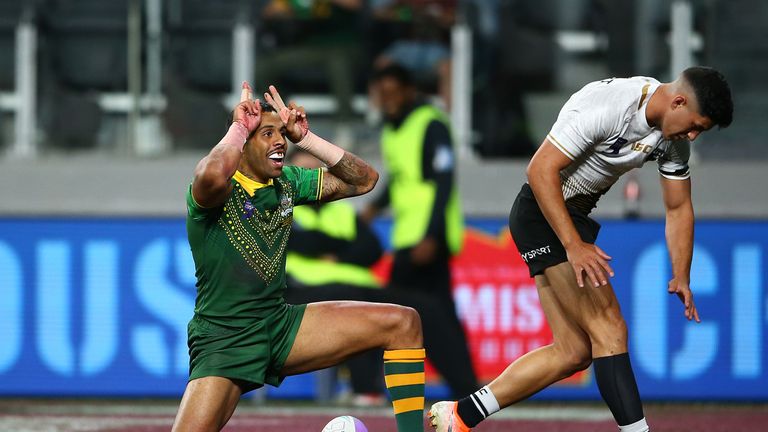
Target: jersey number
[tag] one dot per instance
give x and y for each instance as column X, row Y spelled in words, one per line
column 615, row 147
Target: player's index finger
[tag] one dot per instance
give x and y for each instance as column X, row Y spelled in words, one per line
column 245, row 93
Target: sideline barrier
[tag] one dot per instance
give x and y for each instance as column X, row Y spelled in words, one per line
column 93, row 307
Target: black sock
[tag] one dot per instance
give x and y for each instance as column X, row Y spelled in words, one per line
column 469, row 412
column 618, row 388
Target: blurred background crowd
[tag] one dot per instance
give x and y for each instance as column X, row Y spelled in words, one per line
column 152, row 77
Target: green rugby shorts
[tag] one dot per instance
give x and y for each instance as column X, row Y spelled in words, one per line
column 253, row 355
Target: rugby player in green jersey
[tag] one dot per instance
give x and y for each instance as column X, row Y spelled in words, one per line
column 243, row 334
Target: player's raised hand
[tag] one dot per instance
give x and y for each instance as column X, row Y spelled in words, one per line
column 684, row 293
column 298, row 124
column 248, row 111
column 293, row 116
column 273, row 98
column 589, row 259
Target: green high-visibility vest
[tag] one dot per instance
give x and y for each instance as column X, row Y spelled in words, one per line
column 336, row 219
column 411, row 196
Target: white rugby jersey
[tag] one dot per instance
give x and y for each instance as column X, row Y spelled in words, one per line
column 603, row 129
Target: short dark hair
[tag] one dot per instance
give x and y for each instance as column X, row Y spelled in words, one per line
column 265, row 107
column 394, row 71
column 712, row 92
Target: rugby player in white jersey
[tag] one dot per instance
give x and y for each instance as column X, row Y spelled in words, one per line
column 604, row 130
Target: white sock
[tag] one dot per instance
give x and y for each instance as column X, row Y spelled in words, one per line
column 485, row 401
column 638, row 426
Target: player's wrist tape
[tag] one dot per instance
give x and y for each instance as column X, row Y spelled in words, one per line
column 330, row 154
column 236, row 136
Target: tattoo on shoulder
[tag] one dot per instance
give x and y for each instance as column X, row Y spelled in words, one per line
column 335, row 188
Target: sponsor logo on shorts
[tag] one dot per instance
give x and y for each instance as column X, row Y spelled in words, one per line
column 534, row 253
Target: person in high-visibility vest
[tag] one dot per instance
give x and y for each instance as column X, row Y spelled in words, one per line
column 428, row 226
column 330, row 254
column 331, row 245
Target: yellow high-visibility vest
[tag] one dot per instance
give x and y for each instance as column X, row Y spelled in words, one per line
column 335, row 219
column 411, row 196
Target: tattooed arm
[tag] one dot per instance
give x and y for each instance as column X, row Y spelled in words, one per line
column 351, row 176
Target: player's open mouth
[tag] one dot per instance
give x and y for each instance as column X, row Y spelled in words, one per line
column 277, row 158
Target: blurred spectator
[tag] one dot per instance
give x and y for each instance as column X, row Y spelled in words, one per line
column 323, row 38
column 423, row 45
column 330, row 252
column 428, row 225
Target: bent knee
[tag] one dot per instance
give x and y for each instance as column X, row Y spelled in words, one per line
column 404, row 325
column 410, row 321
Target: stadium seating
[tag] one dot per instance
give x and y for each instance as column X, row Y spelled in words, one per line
column 198, row 67
column 200, row 40
column 83, row 52
column 86, row 43
column 10, row 14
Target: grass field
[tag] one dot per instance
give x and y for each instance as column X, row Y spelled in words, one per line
column 49, row 415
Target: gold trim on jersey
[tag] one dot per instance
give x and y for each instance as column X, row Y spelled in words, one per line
column 260, row 237
column 557, row 144
column 250, row 185
column 320, row 178
column 194, row 201
column 645, row 95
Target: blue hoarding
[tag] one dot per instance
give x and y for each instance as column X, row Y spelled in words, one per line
column 100, row 307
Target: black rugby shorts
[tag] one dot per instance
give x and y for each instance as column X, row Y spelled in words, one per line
column 535, row 240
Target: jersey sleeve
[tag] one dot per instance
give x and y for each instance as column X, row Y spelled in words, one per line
column 583, row 123
column 195, row 211
column 307, row 183
column 673, row 164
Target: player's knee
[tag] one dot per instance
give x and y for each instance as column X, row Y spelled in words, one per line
column 410, row 322
column 613, row 323
column 404, row 324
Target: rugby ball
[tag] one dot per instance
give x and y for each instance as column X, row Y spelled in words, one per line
column 345, row 424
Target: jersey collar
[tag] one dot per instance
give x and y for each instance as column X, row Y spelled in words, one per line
column 249, row 185
column 645, row 99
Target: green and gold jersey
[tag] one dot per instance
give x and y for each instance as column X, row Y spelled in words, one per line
column 239, row 247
